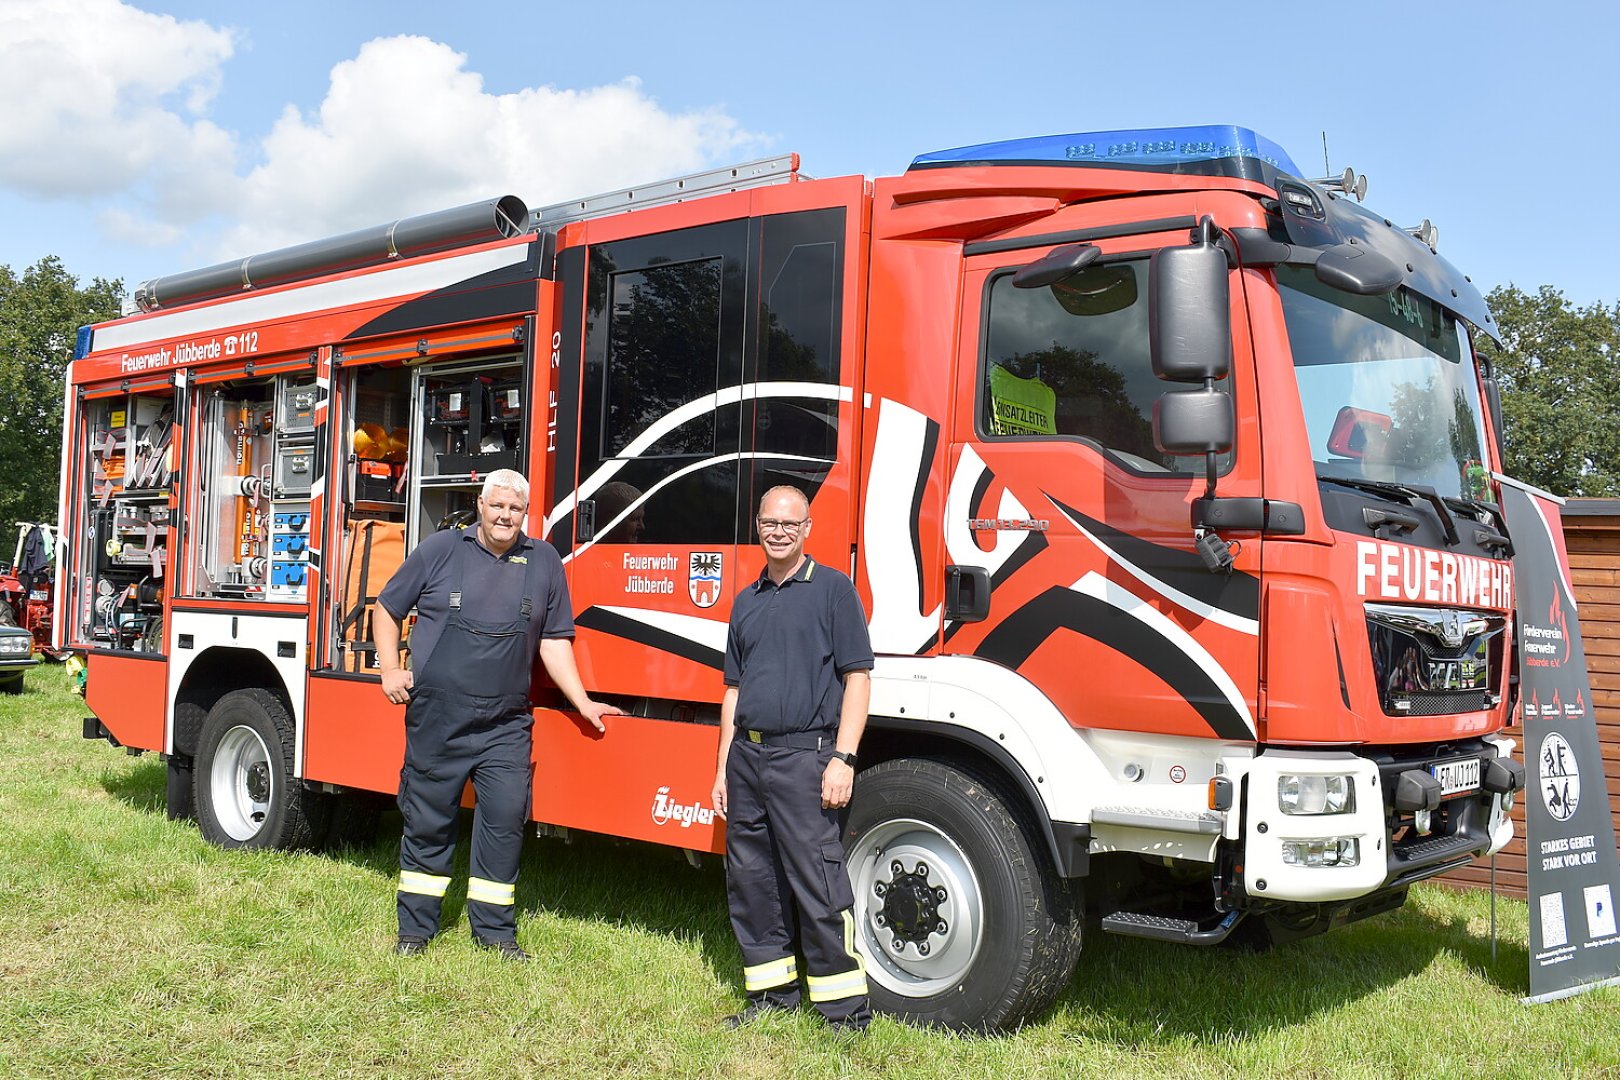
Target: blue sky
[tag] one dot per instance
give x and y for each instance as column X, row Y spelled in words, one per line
column 150, row 137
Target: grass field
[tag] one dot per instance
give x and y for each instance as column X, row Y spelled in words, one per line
column 130, row 947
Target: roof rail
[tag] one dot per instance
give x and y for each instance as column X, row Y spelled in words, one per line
column 751, row 174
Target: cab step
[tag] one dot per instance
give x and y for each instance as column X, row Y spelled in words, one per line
column 1153, row 817
column 1162, row 928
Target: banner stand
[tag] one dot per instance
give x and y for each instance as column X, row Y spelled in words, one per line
column 1573, row 875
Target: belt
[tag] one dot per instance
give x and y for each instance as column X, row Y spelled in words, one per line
column 799, row 740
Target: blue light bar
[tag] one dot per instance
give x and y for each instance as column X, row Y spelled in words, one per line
column 1213, row 149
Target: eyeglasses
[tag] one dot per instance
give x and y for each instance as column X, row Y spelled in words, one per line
column 770, row 525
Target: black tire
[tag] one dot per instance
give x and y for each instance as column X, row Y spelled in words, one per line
column 1011, row 927
column 244, row 792
column 8, row 617
column 13, row 686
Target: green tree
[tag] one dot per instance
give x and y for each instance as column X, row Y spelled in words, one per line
column 40, row 313
column 1559, row 372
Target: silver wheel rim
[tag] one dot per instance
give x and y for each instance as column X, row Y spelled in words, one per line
column 896, row 960
column 242, row 783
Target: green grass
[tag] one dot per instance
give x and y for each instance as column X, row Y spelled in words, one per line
column 129, row 947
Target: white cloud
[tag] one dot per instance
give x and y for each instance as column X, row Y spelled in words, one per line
column 101, row 98
column 107, row 106
column 406, row 128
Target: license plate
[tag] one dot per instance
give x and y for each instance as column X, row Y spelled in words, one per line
column 1456, row 777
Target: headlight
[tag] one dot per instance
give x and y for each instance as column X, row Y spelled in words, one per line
column 13, row 645
column 1328, row 851
column 1307, row 794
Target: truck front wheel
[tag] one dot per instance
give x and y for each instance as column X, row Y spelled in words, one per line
column 959, row 913
column 245, row 792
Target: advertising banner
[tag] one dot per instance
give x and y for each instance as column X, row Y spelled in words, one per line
column 1574, row 876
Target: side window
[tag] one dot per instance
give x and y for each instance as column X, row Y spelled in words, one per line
column 795, row 412
column 663, row 351
column 663, row 346
column 1071, row 359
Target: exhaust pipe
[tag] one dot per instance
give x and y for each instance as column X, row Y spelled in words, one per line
column 492, row 219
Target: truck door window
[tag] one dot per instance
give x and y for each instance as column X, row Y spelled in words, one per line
column 1071, row 361
column 795, row 434
column 663, row 341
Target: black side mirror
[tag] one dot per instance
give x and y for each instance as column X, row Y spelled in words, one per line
column 1194, row 422
column 1189, row 320
column 1190, row 340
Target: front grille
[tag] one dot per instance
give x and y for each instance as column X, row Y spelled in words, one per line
column 1440, row 703
column 1420, row 672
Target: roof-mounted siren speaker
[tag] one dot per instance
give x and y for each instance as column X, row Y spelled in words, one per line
column 1349, row 182
column 440, row 230
column 1427, row 232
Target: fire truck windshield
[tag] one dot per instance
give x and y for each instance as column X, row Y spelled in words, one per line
column 1388, row 387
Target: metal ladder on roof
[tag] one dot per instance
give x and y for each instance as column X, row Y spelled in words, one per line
column 751, row 174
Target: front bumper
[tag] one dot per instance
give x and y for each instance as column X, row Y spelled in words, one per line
column 12, row 669
column 1392, row 851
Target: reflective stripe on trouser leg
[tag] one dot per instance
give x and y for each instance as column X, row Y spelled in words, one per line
column 771, row 974
column 414, row 881
column 483, row 891
column 846, row 984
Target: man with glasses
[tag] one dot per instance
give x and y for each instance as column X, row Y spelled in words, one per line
column 798, row 680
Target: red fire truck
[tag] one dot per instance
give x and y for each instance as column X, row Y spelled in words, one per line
column 1166, row 476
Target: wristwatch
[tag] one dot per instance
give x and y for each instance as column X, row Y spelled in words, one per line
column 845, row 757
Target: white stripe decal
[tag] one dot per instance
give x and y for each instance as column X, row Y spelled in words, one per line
column 897, row 623
column 1098, row 587
column 1214, row 614
column 401, row 280
column 959, row 542
column 709, row 633
column 696, row 466
column 673, row 419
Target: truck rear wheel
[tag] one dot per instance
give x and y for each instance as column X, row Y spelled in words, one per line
column 959, row 913
column 245, row 792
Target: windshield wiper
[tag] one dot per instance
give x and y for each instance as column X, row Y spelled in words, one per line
column 1410, row 493
column 1495, row 537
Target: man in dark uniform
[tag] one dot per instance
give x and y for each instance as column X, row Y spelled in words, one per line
column 798, row 680
column 483, row 597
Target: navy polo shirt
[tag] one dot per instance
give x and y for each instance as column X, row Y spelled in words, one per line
column 491, row 588
column 789, row 647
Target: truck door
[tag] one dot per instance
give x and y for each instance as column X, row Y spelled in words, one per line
column 1083, row 528
column 709, row 362
column 648, row 513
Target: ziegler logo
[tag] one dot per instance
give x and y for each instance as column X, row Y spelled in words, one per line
column 1010, row 524
column 666, row 810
